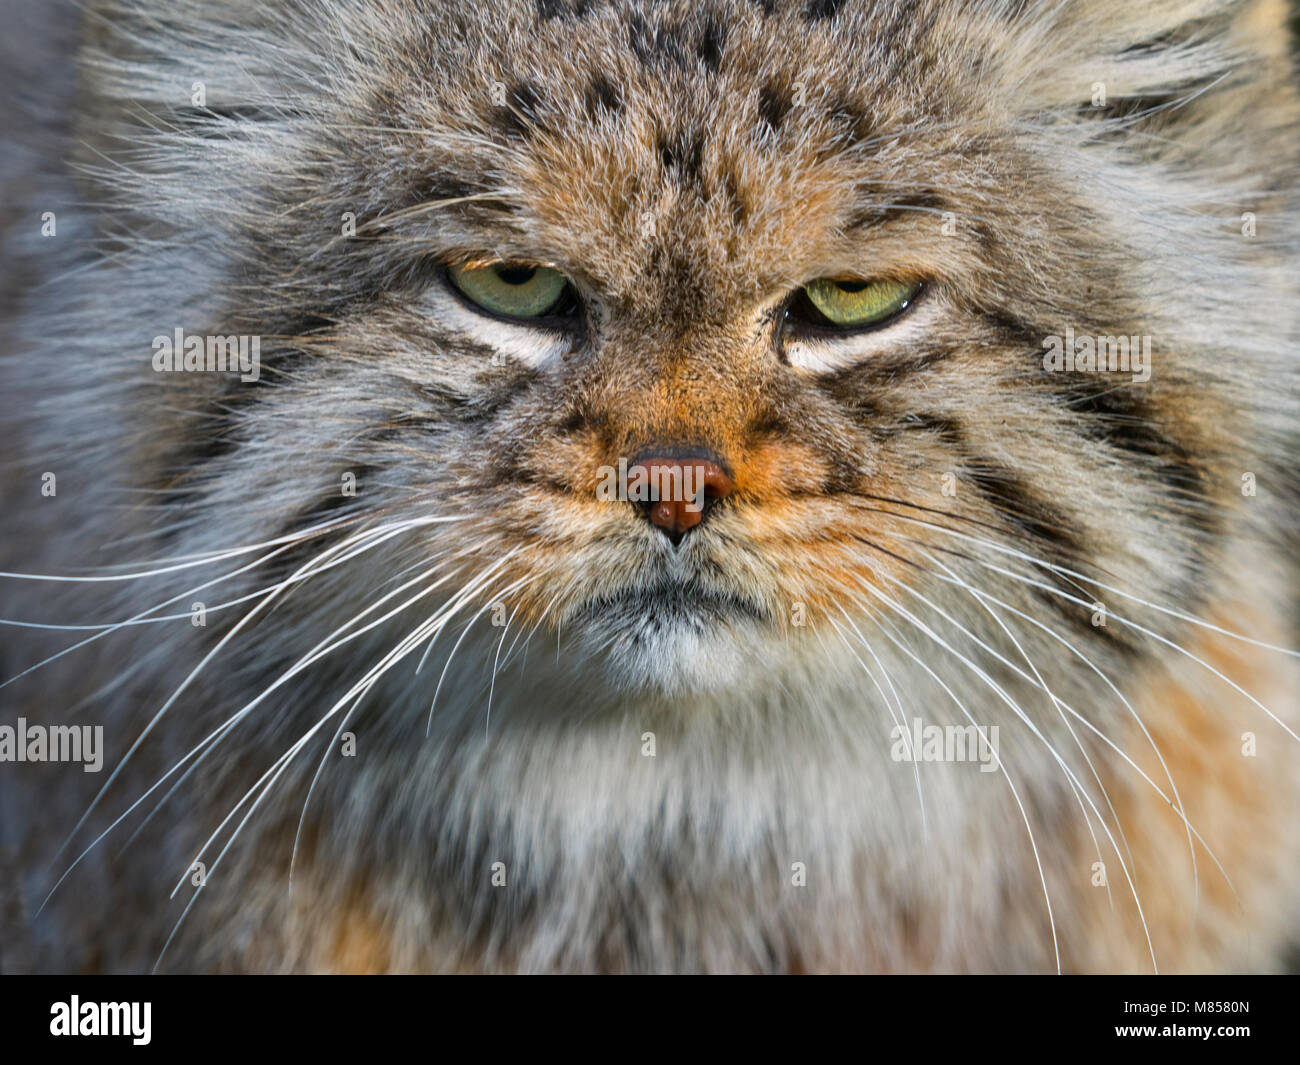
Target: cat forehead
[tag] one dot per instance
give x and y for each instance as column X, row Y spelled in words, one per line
column 675, row 139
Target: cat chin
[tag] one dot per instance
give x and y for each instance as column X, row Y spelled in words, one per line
column 680, row 659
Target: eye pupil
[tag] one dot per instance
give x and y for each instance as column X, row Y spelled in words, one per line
column 852, row 286
column 516, row 275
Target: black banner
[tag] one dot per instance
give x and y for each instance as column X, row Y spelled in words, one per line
column 1220, row 1016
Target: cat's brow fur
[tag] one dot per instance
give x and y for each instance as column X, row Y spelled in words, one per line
column 686, row 165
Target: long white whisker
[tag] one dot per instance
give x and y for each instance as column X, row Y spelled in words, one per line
column 448, row 611
column 1015, row 794
column 1011, row 703
column 1147, row 632
column 1042, row 684
column 209, row 742
column 380, row 535
column 496, row 662
column 195, row 560
column 1191, row 619
column 405, row 647
column 1176, row 802
column 144, row 614
column 897, row 714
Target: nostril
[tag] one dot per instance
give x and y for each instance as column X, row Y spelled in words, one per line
column 677, row 492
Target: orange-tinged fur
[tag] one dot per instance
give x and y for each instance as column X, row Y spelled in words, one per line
column 1235, row 773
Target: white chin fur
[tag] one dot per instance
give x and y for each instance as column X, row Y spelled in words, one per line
column 679, row 659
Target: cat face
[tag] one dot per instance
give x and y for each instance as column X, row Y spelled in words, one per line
column 970, row 323
column 686, row 182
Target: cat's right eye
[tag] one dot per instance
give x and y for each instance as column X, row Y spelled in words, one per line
column 520, row 291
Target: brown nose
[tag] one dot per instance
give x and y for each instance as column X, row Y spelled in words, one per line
column 676, row 492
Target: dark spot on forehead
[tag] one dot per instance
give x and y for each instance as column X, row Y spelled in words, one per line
column 773, row 105
column 711, row 42
column 821, row 9
column 682, row 155
column 656, row 45
column 640, row 38
column 602, row 95
column 553, row 9
column 520, row 116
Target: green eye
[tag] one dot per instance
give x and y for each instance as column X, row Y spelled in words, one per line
column 512, row 290
column 847, row 304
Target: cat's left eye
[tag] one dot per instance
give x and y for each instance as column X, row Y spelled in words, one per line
column 849, row 304
column 514, row 290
